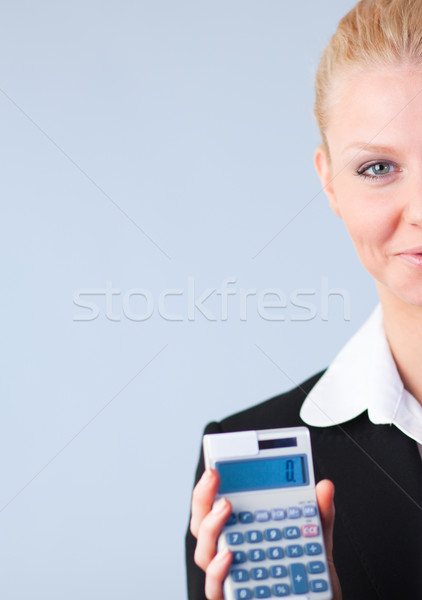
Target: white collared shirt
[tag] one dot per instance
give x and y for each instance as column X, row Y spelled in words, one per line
column 364, row 376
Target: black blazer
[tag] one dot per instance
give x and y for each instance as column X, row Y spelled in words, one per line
column 377, row 472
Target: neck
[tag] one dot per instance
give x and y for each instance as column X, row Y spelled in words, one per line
column 403, row 327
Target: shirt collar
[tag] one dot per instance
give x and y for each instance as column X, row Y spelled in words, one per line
column 364, row 376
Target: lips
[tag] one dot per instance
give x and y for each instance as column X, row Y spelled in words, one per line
column 412, row 256
column 415, row 250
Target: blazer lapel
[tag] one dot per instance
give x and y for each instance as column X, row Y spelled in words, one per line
column 377, row 472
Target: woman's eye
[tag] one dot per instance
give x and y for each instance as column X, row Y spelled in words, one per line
column 376, row 170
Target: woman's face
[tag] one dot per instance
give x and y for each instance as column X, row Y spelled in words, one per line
column 377, row 189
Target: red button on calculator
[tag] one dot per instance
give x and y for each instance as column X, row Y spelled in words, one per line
column 310, row 530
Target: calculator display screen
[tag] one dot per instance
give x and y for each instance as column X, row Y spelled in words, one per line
column 262, row 473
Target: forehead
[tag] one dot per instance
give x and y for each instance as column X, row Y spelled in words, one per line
column 382, row 105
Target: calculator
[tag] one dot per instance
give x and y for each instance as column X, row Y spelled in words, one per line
column 274, row 530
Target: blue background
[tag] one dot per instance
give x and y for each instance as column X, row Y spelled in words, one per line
column 151, row 146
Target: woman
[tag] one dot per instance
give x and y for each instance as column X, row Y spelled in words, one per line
column 365, row 411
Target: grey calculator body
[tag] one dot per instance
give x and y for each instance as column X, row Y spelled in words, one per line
column 274, row 531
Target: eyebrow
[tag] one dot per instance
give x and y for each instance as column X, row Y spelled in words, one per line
column 367, row 147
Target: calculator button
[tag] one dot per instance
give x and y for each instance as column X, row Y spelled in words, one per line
column 294, row 512
column 259, row 573
column 275, row 553
column 271, row 535
column 310, row 530
column 243, row 594
column 254, row 536
column 309, row 510
column 278, row 514
column 262, row 515
column 232, row 520
column 262, row 591
column 238, row 557
column 291, row 533
column 240, row 575
column 234, row 538
column 278, row 571
column 316, row 566
column 245, row 517
column 256, row 555
column 313, row 549
column 319, row 585
column 294, row 550
column 281, row 589
column 298, row 578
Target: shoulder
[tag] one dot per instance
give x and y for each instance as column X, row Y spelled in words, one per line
column 279, row 411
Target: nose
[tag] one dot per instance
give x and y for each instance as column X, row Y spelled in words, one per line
column 413, row 207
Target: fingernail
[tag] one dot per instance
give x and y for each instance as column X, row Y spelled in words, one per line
column 219, row 506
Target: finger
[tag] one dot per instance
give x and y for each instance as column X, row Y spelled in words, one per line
column 203, row 498
column 325, row 496
column 208, row 533
column 216, row 573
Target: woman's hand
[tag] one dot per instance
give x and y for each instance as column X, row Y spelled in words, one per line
column 207, row 523
column 325, row 498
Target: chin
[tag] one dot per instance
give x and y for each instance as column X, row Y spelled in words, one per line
column 414, row 300
column 409, row 297
column 402, row 292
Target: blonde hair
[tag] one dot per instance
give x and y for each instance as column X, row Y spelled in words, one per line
column 374, row 33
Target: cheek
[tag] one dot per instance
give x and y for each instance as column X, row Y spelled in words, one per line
column 371, row 226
